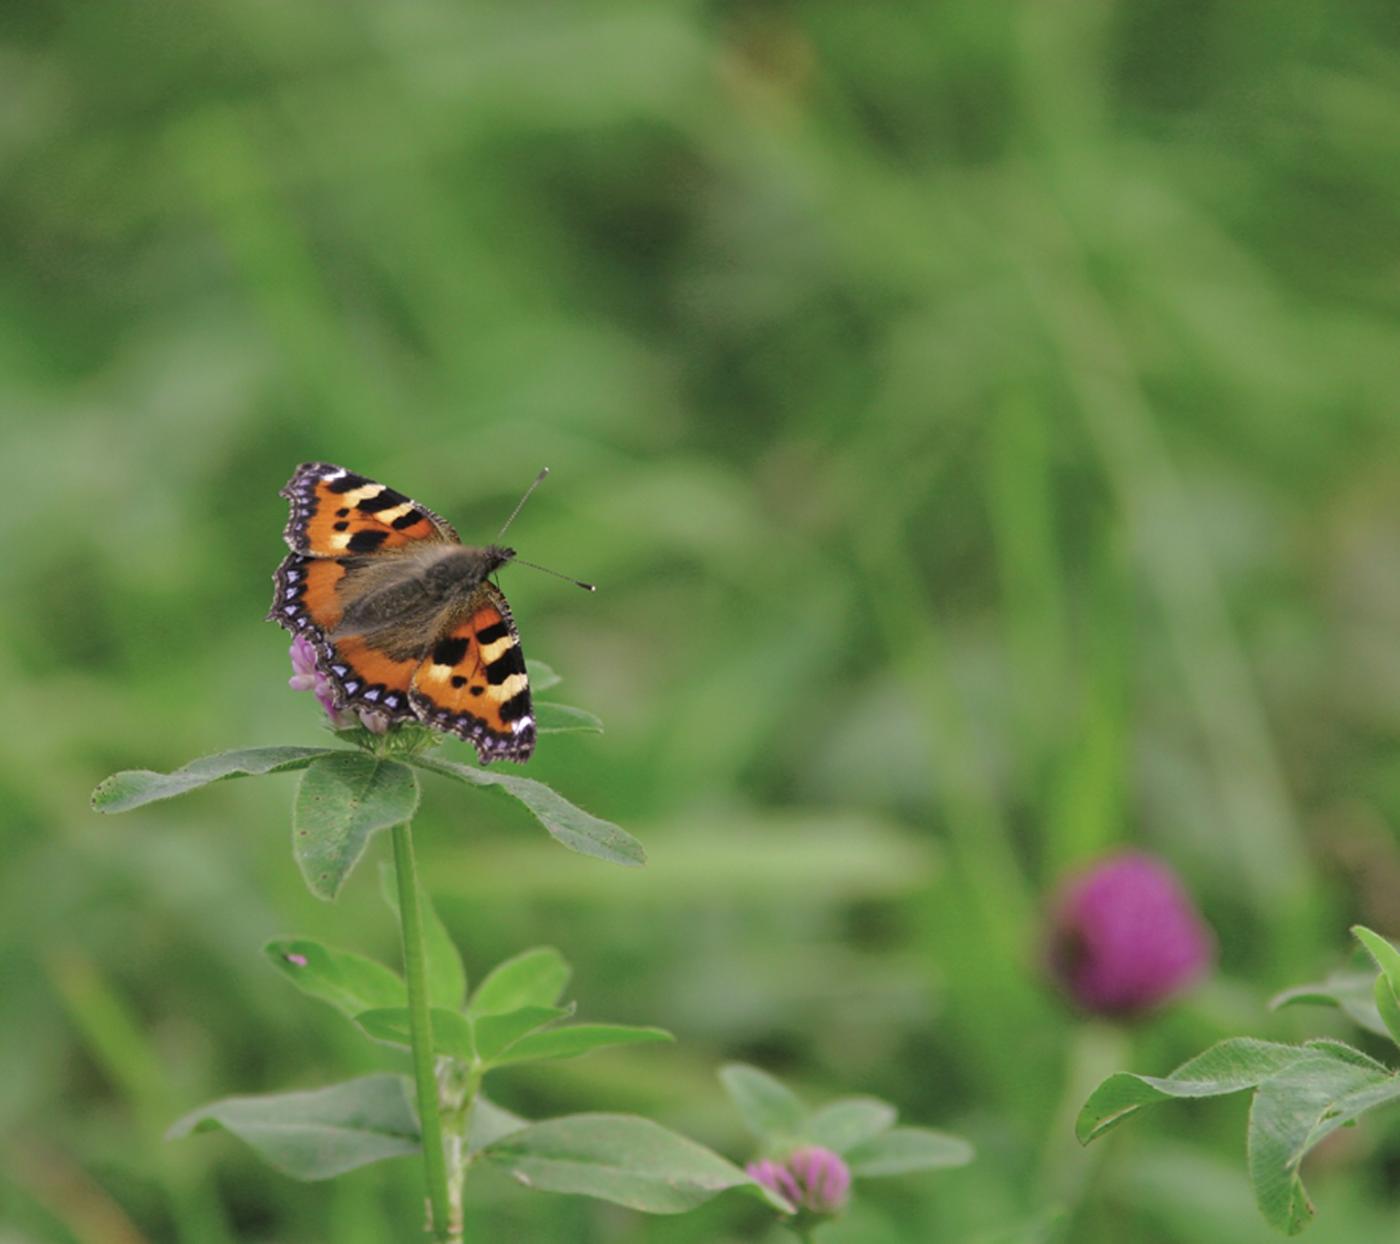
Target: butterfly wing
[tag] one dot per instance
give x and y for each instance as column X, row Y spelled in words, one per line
column 473, row 683
column 309, row 601
column 336, row 513
column 341, row 524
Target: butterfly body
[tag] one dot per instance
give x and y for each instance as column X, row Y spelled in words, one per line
column 404, row 617
column 402, row 594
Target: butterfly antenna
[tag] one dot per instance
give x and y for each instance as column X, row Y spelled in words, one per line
column 520, row 505
column 587, row 587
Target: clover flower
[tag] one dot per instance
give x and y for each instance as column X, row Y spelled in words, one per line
column 812, row 1178
column 306, row 676
column 1125, row 936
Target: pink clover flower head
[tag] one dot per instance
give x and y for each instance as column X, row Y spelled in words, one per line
column 306, row 676
column 811, row 1178
column 304, row 672
column 1126, row 936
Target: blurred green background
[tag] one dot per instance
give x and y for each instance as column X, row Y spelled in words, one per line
column 980, row 419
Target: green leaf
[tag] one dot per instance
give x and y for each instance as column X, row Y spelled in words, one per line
column 1353, row 992
column 317, row 1134
column 1227, row 1067
column 570, row 826
column 349, row 982
column 1302, row 1093
column 133, row 787
column 576, row 1039
column 495, row 1033
column 849, row 1121
column 542, row 677
column 452, row 1031
column 489, row 1122
column 905, row 1149
column 622, row 1159
column 1387, row 1007
column 771, row 1110
column 1386, row 957
column 534, row 977
column 1386, row 990
column 551, row 718
column 447, row 977
column 1294, row 1110
column 343, row 798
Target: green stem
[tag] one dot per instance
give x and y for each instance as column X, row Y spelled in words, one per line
column 1097, row 1049
column 458, row 1089
column 441, row 1223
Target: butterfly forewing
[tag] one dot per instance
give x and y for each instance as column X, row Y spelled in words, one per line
column 336, row 513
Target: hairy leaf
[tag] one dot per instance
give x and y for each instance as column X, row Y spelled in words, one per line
column 620, row 1158
column 133, row 787
column 905, row 1149
column 771, row 1110
column 1227, row 1067
column 552, row 718
column 317, row 1134
column 342, row 800
column 1386, row 990
column 490, row 1122
column 452, row 1031
column 534, row 977
column 350, row 982
column 542, row 677
column 841, row 1125
column 1293, row 1111
column 569, row 825
column 576, row 1039
column 1301, row 1094
column 1349, row 990
column 496, row 1033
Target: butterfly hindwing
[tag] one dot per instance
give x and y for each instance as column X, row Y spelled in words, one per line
column 473, row 681
column 366, row 676
column 336, row 513
column 308, row 601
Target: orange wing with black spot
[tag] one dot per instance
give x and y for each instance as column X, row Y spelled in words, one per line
column 473, row 681
column 336, row 513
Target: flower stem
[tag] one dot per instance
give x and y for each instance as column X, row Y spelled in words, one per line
column 440, row 1221
column 1096, row 1051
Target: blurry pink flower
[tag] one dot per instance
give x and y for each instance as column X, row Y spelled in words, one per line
column 307, row 677
column 811, row 1178
column 1125, row 936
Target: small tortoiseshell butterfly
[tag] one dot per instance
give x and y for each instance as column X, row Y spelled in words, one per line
column 404, row 617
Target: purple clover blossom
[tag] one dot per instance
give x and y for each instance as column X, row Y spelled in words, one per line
column 306, row 676
column 811, row 1178
column 1125, row 936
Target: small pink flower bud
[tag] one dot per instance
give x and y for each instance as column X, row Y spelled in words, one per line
column 812, row 1178
column 1125, row 936
column 375, row 723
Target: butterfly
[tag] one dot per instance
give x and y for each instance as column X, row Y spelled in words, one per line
column 403, row 616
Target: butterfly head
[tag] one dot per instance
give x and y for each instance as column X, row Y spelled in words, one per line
column 497, row 555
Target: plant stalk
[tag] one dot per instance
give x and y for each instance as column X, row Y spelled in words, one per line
column 441, row 1223
column 1097, row 1049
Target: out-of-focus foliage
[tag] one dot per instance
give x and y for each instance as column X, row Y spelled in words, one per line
column 980, row 420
